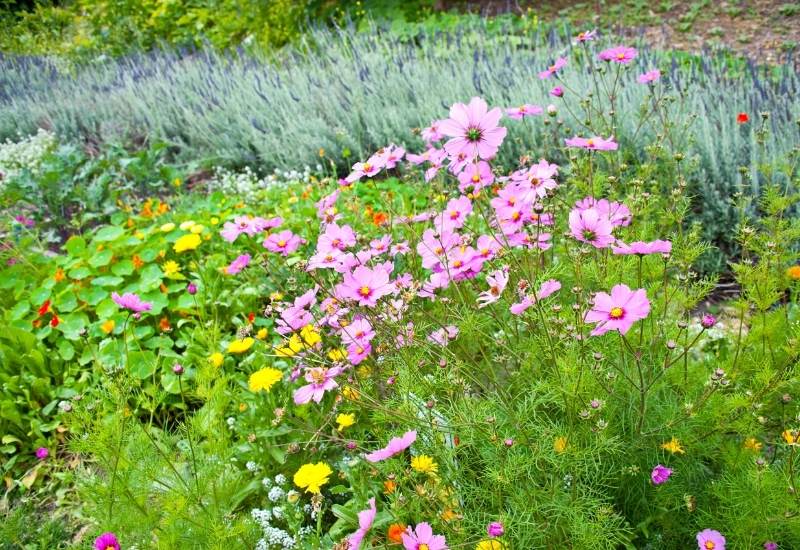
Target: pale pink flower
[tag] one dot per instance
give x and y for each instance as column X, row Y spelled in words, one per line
column 475, row 176
column 618, row 54
column 709, row 539
column 619, row 310
column 390, row 156
column 365, row 285
column 443, row 335
column 431, row 134
column 336, row 238
column 370, row 168
column 434, row 248
column 518, row 113
column 365, row 520
column 589, row 226
column 547, row 288
column 320, row 380
column 459, row 261
column 595, row 143
column 497, row 281
column 380, row 246
column 329, row 259
column 430, row 153
column 649, row 77
column 557, row 91
column 554, row 68
column 131, row 302
column 525, row 239
column 642, row 248
column 247, row 225
column 283, row 243
column 399, row 249
column 618, row 213
column 296, row 316
column 422, row 538
column 395, row 446
column 238, row 264
column 474, row 130
column 358, row 332
column 586, row 36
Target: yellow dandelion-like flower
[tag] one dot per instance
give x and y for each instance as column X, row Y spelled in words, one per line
column 490, row 544
column 214, row 220
column 177, row 182
column 560, row 444
column 793, row 273
column 108, row 326
column 261, row 334
column 216, row 359
column 673, row 446
column 292, row 347
column 172, row 270
column 752, row 444
column 240, row 346
column 264, row 379
column 792, row 437
column 187, row 242
column 276, row 296
column 345, row 420
column 312, row 477
column 336, row 355
column 424, row 464
column 310, row 335
column 350, row 393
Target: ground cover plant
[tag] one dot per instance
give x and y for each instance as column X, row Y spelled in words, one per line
column 492, row 334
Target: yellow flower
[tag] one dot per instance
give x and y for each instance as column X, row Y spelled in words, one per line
column 197, row 228
column 424, row 464
column 264, row 379
column 139, row 235
column 172, row 270
column 276, row 296
column 345, row 420
column 261, row 334
column 240, row 346
column 294, row 345
column 560, row 444
column 490, row 544
column 177, row 182
column 310, row 335
column 108, row 326
column 187, row 225
column 673, row 446
column 216, row 359
column 793, row 273
column 336, row 355
column 312, row 477
column 214, row 220
column 752, row 444
column 167, row 227
column 792, row 437
column 350, row 393
column 187, row 242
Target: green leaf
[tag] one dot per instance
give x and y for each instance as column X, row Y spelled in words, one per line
column 108, row 233
column 142, row 364
column 75, row 246
column 66, row 350
column 150, row 278
column 123, row 267
column 79, row 273
column 108, row 280
column 101, row 259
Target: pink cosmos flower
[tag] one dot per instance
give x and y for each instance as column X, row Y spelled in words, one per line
column 325, row 260
column 547, row 288
column 431, row 134
column 430, row 153
column 595, row 143
column 42, row 453
column 616, row 212
column 586, row 36
column 539, row 179
column 365, row 520
column 474, row 130
column 443, row 335
column 357, row 352
column 395, row 446
column 486, row 248
column 660, row 474
column 238, row 264
column 359, row 331
column 512, row 206
column 336, row 238
column 642, row 248
column 497, row 284
column 518, row 113
column 475, row 176
column 589, row 226
column 459, row 261
column 297, row 315
column 365, row 285
column 283, row 243
column 649, row 77
column 131, row 302
column 525, row 239
column 106, row 541
column 399, row 249
column 554, row 68
column 422, row 538
column 326, row 204
column 619, row 310
column 380, row 246
column 434, row 248
column 708, row 539
column 618, row 54
column 558, row 91
column 247, row 225
column 321, row 379
column 371, row 167
column 390, row 156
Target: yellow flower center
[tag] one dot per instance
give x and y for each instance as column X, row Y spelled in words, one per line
column 318, row 376
column 590, row 142
column 367, row 166
column 710, row 545
column 281, row 243
column 622, row 56
column 453, row 214
column 458, row 263
column 616, row 312
column 364, row 291
column 422, row 547
column 476, row 178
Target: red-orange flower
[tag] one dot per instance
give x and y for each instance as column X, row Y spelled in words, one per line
column 380, row 218
column 742, row 118
column 395, row 533
column 54, row 321
column 45, row 307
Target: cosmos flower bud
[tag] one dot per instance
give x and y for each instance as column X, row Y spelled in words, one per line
column 495, row 529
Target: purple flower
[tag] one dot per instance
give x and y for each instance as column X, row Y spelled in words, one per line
column 495, row 529
column 42, row 453
column 106, row 541
column 770, row 545
column 618, row 54
column 191, row 288
column 473, row 129
column 131, row 302
column 708, row 539
column 27, row 222
column 660, row 474
column 708, row 321
column 558, row 91
column 238, row 264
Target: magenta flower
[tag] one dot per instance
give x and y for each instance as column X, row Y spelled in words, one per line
column 434, row 248
column 366, row 285
column 589, row 226
column 708, row 539
column 296, row 316
column 106, row 541
column 370, row 168
column 395, row 446
column 380, row 246
column 365, row 520
column 474, row 130
column 619, row 310
column 586, row 36
column 618, row 54
column 770, row 545
column 595, row 143
column 660, row 474
column 390, row 156
column 495, row 529
column 649, row 77
column 131, row 302
column 358, row 332
column 238, row 264
column 320, row 380
column 642, row 248
column 422, row 538
column 708, row 321
column 518, row 113
column 283, row 243
column 554, row 68
column 475, row 177
column 497, row 281
column 357, row 352
column 617, row 212
column 558, row 91
column 42, row 453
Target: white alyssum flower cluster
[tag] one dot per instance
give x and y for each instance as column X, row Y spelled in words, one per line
column 247, row 183
column 25, row 154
